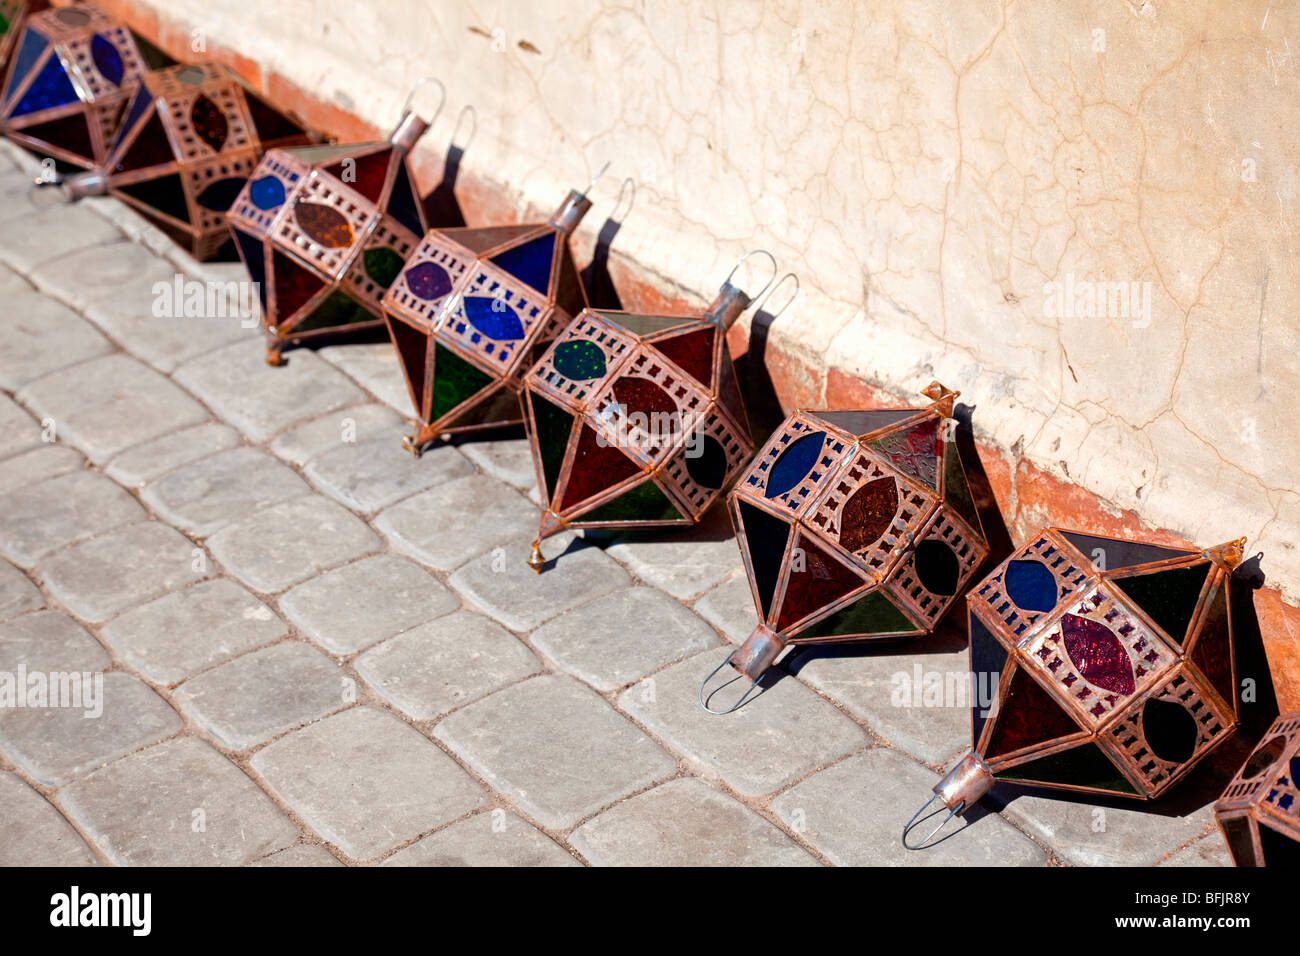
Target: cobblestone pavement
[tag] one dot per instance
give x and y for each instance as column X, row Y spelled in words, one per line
column 318, row 650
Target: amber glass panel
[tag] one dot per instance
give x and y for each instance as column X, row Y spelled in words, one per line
column 816, row 579
column 868, row 514
column 364, row 174
column 1028, row 716
column 692, row 353
column 595, row 468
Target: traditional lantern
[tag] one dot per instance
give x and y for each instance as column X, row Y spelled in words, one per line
column 472, row 310
column 1109, row 665
column 1259, row 813
column 637, row 420
column 324, row 231
column 13, row 14
column 74, row 71
column 192, row 137
column 854, row 526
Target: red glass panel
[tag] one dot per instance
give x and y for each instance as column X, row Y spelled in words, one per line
column 1097, row 654
column 150, row 148
column 644, row 396
column 1213, row 650
column 1028, row 716
column 692, row 353
column 817, row 582
column 595, row 467
column 70, row 133
column 914, row 452
column 294, row 285
column 365, row 174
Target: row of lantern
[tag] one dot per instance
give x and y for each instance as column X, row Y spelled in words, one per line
column 1113, row 660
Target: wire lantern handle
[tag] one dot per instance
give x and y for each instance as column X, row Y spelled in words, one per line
column 425, row 81
column 734, row 707
column 925, row 843
column 741, row 261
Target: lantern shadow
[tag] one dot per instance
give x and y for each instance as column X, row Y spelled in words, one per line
column 986, row 503
column 442, row 210
column 1205, row 783
column 714, row 525
column 596, row 280
column 761, row 401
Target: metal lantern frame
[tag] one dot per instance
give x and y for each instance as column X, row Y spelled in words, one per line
column 1259, row 812
column 1115, row 664
column 468, row 315
column 636, row 420
column 13, row 17
column 877, row 534
column 73, row 72
column 325, row 230
column 193, row 136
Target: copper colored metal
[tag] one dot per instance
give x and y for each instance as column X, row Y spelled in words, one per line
column 191, row 138
column 71, row 74
column 964, row 784
column 1259, row 812
column 325, row 230
column 759, row 651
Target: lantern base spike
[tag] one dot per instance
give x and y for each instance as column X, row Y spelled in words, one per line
column 416, row 443
column 535, row 559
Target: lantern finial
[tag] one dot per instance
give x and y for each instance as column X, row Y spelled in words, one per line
column 1228, row 554
column 942, row 396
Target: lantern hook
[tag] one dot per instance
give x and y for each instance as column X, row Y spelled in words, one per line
column 741, row 261
column 925, row 843
column 734, row 707
column 423, row 81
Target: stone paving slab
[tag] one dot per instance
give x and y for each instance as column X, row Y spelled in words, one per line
column 374, row 366
column 97, row 579
column 448, row 525
column 730, row 608
column 17, row 593
column 291, row 541
column 191, row 629
column 367, row 782
column 493, row 838
column 887, row 688
column 301, row 855
column 33, row 831
column 180, row 803
column 360, row 423
column 503, row 585
column 205, row 496
column 1207, row 851
column 49, row 233
column 244, row 391
column 262, row 694
column 555, row 748
column 622, row 637
column 770, row 742
column 87, row 275
column 685, row 562
column 49, row 642
column 55, row 744
column 108, row 404
column 41, row 336
column 137, row 466
column 505, row 459
column 38, row 464
column 855, row 811
column 359, row 604
column 434, row 668
column 370, row 475
column 685, row 822
column 39, row 519
column 18, row 430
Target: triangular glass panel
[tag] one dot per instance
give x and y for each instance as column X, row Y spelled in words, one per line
column 596, row 467
column 294, row 285
column 1116, row 554
column 454, row 380
column 69, row 132
column 498, row 406
column 815, row 579
column 166, row 194
column 482, row 238
column 252, row 252
column 765, row 539
column 956, row 489
column 337, row 310
column 1168, row 597
column 150, row 148
column 1212, row 651
column 988, row 656
column 692, row 352
column 644, row 501
column 872, row 614
column 643, row 325
column 402, row 205
column 914, row 451
column 270, row 123
column 530, row 262
column 412, row 346
column 51, row 88
column 33, row 46
column 1279, row 850
column 366, row 175
column 552, row 426
column 1027, row 716
column 1083, row 766
column 861, row 423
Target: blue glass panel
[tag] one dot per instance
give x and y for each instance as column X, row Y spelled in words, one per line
column 428, row 281
column 267, row 193
column 493, row 318
column 50, row 89
column 108, row 60
column 530, row 263
column 795, row 462
column 31, row 50
column 141, row 103
column 251, row 252
column 579, row 360
column 1030, row 585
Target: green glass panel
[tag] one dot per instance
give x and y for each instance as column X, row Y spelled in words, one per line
column 383, row 265
column 643, row 502
column 500, row 407
column 872, row 614
column 454, row 380
column 552, row 426
column 1169, row 597
column 1082, row 766
column 956, row 490
column 337, row 309
column 4, row 25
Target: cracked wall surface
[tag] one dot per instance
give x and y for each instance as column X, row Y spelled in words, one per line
column 939, row 175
